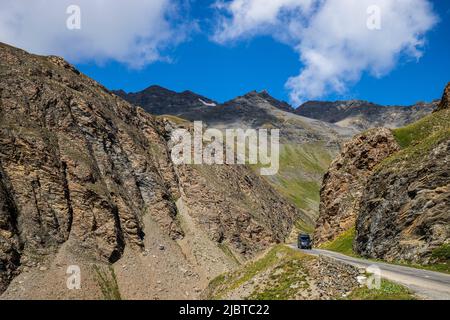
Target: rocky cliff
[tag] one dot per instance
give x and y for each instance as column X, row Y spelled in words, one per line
column 405, row 209
column 87, row 178
column 396, row 193
column 344, row 183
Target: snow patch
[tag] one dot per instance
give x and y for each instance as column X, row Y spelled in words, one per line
column 208, row 104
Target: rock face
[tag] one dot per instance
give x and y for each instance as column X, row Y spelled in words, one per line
column 445, row 101
column 10, row 245
column 81, row 169
column 345, row 181
column 405, row 209
column 394, row 187
column 362, row 115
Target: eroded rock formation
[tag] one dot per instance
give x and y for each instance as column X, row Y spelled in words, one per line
column 345, row 180
column 405, row 210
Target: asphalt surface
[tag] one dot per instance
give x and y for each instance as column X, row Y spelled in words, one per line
column 426, row 284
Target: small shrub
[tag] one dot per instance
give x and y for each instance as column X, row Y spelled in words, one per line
column 107, row 281
column 442, row 253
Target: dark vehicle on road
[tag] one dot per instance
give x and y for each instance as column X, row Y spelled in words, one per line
column 304, row 241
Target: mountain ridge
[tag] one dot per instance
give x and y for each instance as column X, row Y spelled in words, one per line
column 362, row 115
column 356, row 114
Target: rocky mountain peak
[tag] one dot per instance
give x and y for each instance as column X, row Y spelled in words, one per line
column 119, row 93
column 282, row 105
column 156, row 89
column 159, row 100
column 256, row 99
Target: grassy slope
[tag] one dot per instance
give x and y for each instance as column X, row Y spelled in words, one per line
column 418, row 138
column 388, row 291
column 419, row 131
column 281, row 257
column 284, row 268
column 443, row 254
column 342, row 244
column 301, row 170
column 299, row 178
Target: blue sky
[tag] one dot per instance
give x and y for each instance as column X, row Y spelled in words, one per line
column 222, row 72
column 222, row 49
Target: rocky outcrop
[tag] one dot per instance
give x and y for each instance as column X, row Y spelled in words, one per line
column 10, row 245
column 445, row 101
column 398, row 199
column 80, row 167
column 404, row 211
column 344, row 183
column 334, row 279
column 74, row 167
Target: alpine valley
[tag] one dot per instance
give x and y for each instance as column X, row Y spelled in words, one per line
column 87, row 180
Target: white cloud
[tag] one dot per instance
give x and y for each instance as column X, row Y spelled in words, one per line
column 246, row 18
column 133, row 32
column 331, row 37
